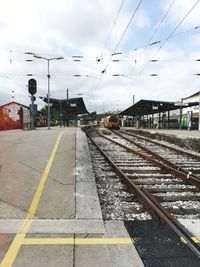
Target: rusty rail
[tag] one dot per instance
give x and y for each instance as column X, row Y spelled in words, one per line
column 162, row 162
column 191, row 155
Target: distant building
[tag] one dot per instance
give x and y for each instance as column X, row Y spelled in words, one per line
column 183, row 114
column 192, row 98
column 192, row 113
column 13, row 115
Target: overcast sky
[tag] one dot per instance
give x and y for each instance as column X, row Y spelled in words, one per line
column 95, row 29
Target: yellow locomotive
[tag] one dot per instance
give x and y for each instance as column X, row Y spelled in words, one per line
column 112, row 122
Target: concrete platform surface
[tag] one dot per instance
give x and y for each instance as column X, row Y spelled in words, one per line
column 49, row 208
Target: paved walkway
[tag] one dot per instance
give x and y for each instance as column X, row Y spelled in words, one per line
column 49, row 209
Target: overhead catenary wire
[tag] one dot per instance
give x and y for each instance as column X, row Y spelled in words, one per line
column 108, row 38
column 122, row 36
column 156, row 30
column 93, row 58
column 162, row 40
column 106, row 58
column 156, row 42
column 170, row 35
column 154, row 33
column 110, row 33
column 178, row 25
column 118, row 43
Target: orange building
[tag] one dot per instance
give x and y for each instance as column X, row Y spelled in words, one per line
column 13, row 115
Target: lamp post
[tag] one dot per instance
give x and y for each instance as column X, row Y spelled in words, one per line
column 48, row 76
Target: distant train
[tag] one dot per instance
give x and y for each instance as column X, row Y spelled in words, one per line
column 112, row 122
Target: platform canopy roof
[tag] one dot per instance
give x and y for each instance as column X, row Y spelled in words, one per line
column 193, row 95
column 73, row 105
column 146, row 107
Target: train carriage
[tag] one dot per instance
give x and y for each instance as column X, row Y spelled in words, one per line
column 112, row 122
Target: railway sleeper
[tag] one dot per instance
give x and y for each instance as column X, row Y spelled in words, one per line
column 139, row 171
column 133, row 165
column 193, row 170
column 130, row 161
column 168, row 189
column 172, row 198
column 155, row 181
column 152, row 176
column 183, row 211
column 194, row 164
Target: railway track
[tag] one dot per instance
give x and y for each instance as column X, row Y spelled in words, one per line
column 162, row 187
column 188, row 161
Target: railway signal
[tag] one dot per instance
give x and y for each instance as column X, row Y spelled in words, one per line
column 32, row 86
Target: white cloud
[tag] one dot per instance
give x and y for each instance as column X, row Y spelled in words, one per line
column 76, row 27
column 142, row 20
column 180, row 9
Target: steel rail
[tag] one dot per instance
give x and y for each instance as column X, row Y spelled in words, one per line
column 157, row 162
column 163, row 145
column 164, row 163
column 150, row 202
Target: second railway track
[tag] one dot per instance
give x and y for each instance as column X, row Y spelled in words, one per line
column 188, row 161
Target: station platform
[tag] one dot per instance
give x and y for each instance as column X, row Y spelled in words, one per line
column 49, row 208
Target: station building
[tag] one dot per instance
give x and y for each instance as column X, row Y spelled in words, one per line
column 13, row 115
column 68, row 109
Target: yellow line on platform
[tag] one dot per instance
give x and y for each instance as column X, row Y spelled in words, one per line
column 88, row 241
column 19, row 237
column 194, row 238
column 78, row 241
column 48, row 241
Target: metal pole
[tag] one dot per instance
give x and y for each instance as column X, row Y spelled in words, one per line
column 61, row 118
column 180, row 122
column 67, row 108
column 199, row 109
column 168, row 119
column 159, row 120
column 48, row 76
column 32, row 116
